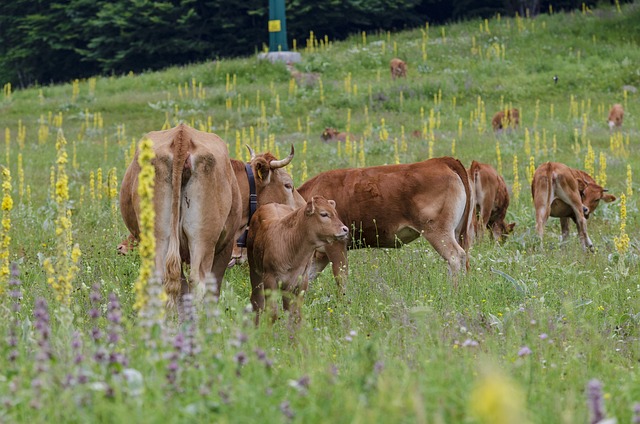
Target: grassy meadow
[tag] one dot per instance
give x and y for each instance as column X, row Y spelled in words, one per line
column 525, row 334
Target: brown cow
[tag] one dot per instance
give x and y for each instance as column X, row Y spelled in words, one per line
column 616, row 115
column 280, row 246
column 390, row 205
column 563, row 192
column 510, row 119
column 398, row 68
column 491, row 200
column 197, row 207
column 332, row 134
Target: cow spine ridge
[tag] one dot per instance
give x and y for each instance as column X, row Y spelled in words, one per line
column 180, row 147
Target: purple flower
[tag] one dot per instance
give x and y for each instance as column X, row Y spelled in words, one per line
column 469, row 343
column 286, row 410
column 543, row 336
column 595, row 401
column 636, row 414
column 524, row 351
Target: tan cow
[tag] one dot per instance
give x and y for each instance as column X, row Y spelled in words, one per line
column 280, row 246
column 501, row 120
column 398, row 68
column 616, row 115
column 566, row 193
column 197, row 207
column 332, row 134
column 491, row 201
column 391, row 205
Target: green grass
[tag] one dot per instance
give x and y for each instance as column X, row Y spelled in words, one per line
column 397, row 347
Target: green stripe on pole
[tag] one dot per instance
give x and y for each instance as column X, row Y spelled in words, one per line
column 277, row 26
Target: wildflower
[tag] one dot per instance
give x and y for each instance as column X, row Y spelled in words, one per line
column 543, row 336
column 636, row 414
column 595, row 401
column 5, row 238
column 497, row 400
column 285, row 408
column 470, row 343
column 524, row 351
column 43, row 352
column 16, row 295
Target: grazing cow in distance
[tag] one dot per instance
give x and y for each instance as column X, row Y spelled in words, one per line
column 491, row 201
column 391, row 205
column 566, row 193
column 332, row 134
column 398, row 68
column 505, row 119
column 280, row 247
column 303, row 79
column 616, row 115
column 197, row 207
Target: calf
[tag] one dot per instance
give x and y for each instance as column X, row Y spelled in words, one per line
column 508, row 118
column 280, row 246
column 616, row 114
column 563, row 192
column 332, row 134
column 398, row 68
column 491, row 200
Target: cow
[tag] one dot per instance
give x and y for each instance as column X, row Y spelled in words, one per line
column 505, row 119
column 566, row 193
column 280, row 246
column 491, row 201
column 332, row 134
column 304, row 79
column 197, row 207
column 272, row 184
column 391, row 205
column 398, row 68
column 616, row 115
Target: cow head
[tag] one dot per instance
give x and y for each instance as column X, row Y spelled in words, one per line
column 273, row 183
column 328, row 134
column 591, row 196
column 501, row 230
column 325, row 222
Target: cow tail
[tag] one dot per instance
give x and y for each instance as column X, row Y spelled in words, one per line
column 466, row 231
column 173, row 270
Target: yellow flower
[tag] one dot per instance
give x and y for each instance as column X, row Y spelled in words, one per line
column 497, row 400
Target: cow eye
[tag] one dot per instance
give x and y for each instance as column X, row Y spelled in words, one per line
column 288, row 186
column 324, row 214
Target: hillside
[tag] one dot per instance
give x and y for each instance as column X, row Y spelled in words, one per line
column 402, row 345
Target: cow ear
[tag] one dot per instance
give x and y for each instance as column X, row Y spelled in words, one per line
column 262, row 170
column 582, row 185
column 332, row 203
column 310, row 207
column 608, row 197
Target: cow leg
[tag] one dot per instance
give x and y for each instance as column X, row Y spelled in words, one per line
column 292, row 301
column 257, row 294
column 220, row 264
column 564, row 226
column 446, row 245
column 572, row 199
column 542, row 206
column 337, row 254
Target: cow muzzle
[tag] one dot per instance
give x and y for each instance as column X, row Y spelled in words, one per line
column 343, row 234
column 585, row 210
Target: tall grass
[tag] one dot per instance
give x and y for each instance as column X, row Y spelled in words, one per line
column 519, row 340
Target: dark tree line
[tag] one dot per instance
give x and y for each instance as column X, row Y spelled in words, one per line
column 44, row 41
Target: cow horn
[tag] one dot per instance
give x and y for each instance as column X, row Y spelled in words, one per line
column 282, row 162
column 251, row 151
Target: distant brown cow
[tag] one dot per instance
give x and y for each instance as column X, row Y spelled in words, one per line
column 280, row 246
column 391, row 205
column 332, row 134
column 398, row 68
column 197, row 207
column 501, row 120
column 492, row 200
column 563, row 192
column 616, row 115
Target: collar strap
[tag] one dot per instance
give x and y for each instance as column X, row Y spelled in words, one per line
column 253, row 204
